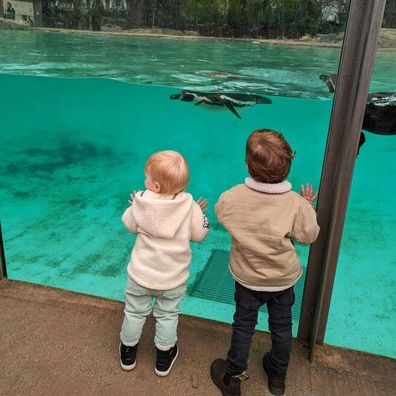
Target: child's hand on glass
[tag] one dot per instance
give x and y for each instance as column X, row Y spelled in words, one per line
column 203, row 204
column 308, row 193
column 133, row 195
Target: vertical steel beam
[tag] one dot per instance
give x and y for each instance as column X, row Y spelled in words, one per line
column 354, row 75
column 3, row 269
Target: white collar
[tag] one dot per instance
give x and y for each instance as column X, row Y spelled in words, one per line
column 269, row 188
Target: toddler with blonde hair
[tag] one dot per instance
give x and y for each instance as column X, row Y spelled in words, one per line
column 165, row 219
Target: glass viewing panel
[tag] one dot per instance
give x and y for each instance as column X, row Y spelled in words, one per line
column 82, row 111
column 362, row 311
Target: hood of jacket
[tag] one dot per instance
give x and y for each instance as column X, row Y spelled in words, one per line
column 160, row 216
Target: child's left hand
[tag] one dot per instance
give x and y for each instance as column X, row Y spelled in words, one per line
column 307, row 193
column 133, row 195
column 203, row 204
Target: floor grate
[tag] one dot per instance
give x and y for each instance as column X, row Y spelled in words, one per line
column 215, row 283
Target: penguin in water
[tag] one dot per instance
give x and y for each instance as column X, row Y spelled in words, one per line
column 227, row 100
column 380, row 113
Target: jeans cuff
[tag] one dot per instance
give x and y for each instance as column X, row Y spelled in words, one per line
column 128, row 341
column 232, row 369
column 164, row 345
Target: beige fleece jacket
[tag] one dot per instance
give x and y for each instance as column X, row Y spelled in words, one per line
column 164, row 226
column 263, row 226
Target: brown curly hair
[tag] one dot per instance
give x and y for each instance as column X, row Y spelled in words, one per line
column 268, row 156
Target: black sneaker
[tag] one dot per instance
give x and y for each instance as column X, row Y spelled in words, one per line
column 165, row 361
column 276, row 385
column 128, row 356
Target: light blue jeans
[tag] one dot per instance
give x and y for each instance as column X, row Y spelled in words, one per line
column 138, row 305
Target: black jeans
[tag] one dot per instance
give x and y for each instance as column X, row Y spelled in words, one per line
column 248, row 302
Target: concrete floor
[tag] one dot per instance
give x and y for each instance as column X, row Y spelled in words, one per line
column 55, row 342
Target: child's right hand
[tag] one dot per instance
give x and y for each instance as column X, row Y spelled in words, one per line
column 307, row 193
column 203, row 204
column 133, row 195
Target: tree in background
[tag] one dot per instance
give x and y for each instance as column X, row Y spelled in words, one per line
column 76, row 14
column 135, row 16
column 255, row 17
column 96, row 14
column 308, row 16
column 390, row 14
column 334, row 15
column 229, row 18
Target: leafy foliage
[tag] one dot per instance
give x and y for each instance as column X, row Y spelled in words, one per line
column 234, row 18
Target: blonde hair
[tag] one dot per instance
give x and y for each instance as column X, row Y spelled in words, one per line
column 268, row 156
column 168, row 168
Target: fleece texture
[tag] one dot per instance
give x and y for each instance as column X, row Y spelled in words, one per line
column 164, row 225
column 264, row 221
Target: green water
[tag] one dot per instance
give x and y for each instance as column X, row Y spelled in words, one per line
column 73, row 148
column 193, row 64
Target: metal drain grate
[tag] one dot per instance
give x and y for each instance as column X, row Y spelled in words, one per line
column 215, row 283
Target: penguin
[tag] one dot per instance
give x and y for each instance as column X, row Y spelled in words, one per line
column 380, row 113
column 227, row 100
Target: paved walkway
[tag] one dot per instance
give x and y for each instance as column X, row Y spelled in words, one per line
column 54, row 342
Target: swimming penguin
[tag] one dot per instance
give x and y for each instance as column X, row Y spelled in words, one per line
column 228, row 100
column 380, row 112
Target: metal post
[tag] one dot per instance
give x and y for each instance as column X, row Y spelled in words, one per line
column 356, row 65
column 3, row 269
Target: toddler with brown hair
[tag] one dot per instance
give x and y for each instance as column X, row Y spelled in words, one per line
column 264, row 217
column 165, row 219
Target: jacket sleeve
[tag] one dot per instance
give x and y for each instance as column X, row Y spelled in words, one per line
column 219, row 208
column 129, row 220
column 199, row 224
column 305, row 228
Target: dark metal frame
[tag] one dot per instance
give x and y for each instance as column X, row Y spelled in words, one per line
column 354, row 75
column 3, row 268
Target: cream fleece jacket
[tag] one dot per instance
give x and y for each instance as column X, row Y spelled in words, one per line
column 164, row 225
column 263, row 220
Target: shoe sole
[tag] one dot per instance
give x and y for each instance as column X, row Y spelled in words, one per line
column 276, row 391
column 128, row 367
column 165, row 373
